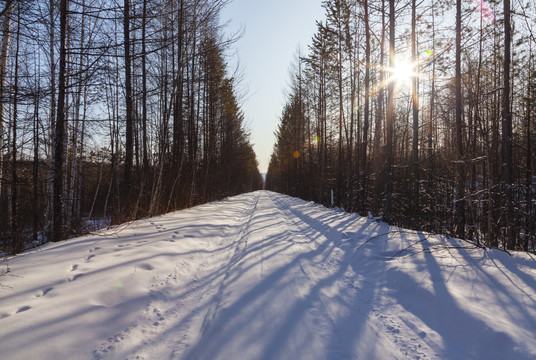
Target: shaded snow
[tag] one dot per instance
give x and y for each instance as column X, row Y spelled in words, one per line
column 266, row 276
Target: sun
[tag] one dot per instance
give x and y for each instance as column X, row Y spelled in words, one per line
column 403, row 72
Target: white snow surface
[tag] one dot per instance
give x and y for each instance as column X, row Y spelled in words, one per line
column 267, row 276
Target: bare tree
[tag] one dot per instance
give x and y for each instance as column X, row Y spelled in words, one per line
column 129, row 144
column 4, row 52
column 59, row 138
column 415, row 112
column 390, row 117
column 367, row 106
column 507, row 132
column 460, row 196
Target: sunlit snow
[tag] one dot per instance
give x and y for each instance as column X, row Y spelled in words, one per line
column 266, row 276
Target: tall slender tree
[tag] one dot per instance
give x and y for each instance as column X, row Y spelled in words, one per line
column 390, row 118
column 129, row 143
column 4, row 52
column 507, row 132
column 415, row 112
column 15, row 227
column 460, row 195
column 366, row 118
column 144, row 86
column 59, row 138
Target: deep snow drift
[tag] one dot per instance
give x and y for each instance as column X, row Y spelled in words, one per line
column 266, row 276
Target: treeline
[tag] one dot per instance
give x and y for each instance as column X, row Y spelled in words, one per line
column 114, row 110
column 444, row 144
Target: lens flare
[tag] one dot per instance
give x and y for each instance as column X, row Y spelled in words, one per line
column 485, row 9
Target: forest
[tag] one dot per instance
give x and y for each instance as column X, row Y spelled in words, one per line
column 420, row 113
column 113, row 110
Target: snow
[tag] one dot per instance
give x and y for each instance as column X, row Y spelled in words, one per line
column 266, row 276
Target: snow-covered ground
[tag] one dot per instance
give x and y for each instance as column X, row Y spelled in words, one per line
column 266, row 276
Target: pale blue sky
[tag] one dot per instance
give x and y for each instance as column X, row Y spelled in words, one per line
column 274, row 29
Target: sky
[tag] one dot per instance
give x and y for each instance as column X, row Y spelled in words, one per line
column 274, row 30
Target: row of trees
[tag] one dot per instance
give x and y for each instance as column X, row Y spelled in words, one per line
column 444, row 147
column 114, row 110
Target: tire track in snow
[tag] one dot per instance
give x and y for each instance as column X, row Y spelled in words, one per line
column 239, row 251
column 176, row 306
column 262, row 288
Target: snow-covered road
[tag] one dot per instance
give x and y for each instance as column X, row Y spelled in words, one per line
column 266, row 276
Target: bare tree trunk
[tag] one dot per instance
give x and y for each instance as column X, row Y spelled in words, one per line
column 144, row 87
column 529, row 175
column 67, row 201
column 111, row 124
column 367, row 109
column 340, row 169
column 36, row 210
column 460, row 197
column 415, row 111
column 96, row 191
column 528, row 195
column 178, row 107
column 129, row 145
column 57, row 226
column 380, row 180
column 15, row 230
column 75, row 177
column 6, row 38
column 192, row 118
column 507, row 133
column 431, row 170
column 478, row 119
column 52, row 119
column 390, row 117
column 78, row 163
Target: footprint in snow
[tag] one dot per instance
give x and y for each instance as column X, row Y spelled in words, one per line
column 77, row 276
column 74, row 267
column 44, row 292
column 146, row 266
column 3, row 316
column 23, row 309
column 89, row 257
column 392, row 329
